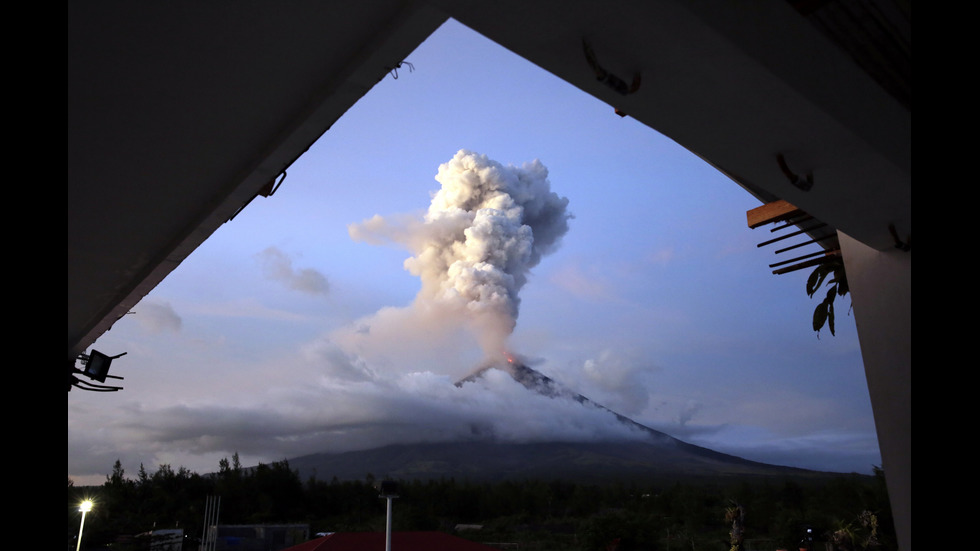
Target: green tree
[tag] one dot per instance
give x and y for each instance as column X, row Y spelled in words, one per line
column 735, row 517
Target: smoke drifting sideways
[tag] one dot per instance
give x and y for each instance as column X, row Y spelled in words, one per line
column 486, row 227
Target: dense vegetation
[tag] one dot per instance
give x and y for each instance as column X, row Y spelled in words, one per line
column 538, row 514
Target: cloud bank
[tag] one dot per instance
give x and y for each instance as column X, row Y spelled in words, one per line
column 348, row 407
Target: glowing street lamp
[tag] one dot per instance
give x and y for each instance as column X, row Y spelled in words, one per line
column 84, row 507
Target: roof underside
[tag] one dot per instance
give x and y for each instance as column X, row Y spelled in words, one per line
column 180, row 112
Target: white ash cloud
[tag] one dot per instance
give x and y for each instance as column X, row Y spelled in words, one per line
column 485, row 229
column 622, row 379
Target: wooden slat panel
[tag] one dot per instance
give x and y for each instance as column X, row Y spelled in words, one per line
column 771, row 212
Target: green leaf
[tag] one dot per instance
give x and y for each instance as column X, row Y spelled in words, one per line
column 816, row 278
column 830, row 313
column 831, row 293
column 823, row 314
column 819, row 316
column 830, row 321
column 842, row 288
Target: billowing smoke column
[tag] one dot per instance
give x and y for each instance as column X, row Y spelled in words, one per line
column 485, row 229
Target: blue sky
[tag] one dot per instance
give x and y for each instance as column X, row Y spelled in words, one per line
column 657, row 303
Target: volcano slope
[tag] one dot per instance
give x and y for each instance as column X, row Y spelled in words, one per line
column 653, row 455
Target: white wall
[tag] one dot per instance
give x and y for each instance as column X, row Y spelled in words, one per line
column 881, row 294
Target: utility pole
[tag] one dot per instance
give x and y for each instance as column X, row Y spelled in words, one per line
column 389, row 491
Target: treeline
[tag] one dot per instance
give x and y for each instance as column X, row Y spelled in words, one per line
column 850, row 510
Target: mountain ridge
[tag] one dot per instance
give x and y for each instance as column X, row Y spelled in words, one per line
column 488, row 460
column 654, row 455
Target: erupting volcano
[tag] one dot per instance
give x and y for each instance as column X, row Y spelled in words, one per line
column 473, row 250
column 537, row 382
column 650, row 455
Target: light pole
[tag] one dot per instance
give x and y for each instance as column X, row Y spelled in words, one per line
column 84, row 507
column 389, row 491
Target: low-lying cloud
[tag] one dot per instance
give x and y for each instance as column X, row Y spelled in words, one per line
column 350, row 408
column 278, row 266
column 157, row 316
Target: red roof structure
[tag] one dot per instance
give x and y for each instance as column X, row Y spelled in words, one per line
column 400, row 541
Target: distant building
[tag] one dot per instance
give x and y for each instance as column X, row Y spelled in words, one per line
column 257, row 537
column 402, row 541
column 164, row 540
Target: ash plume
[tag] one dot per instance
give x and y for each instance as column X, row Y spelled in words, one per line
column 486, row 227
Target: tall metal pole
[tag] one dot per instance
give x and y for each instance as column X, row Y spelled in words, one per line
column 389, row 491
column 204, row 530
column 85, row 507
column 387, row 526
column 212, row 507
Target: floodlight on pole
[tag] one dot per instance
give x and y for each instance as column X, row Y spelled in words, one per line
column 84, row 507
column 95, row 367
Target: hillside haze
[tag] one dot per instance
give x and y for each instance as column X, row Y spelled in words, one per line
column 653, row 455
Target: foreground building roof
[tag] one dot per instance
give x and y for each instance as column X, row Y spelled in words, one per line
column 402, row 541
